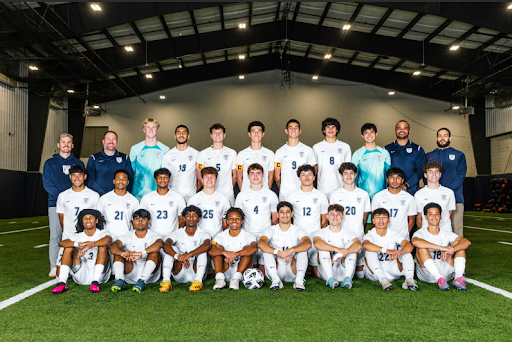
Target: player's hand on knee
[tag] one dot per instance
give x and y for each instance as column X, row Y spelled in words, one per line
column 230, row 256
column 126, row 255
column 288, row 259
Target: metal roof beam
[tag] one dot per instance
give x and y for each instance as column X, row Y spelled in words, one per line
column 382, row 20
column 324, row 15
column 410, row 25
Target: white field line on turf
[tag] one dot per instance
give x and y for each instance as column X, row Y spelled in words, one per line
column 491, row 230
column 41, row 246
column 489, row 287
column 26, row 294
column 505, row 243
column 496, row 217
column 22, row 230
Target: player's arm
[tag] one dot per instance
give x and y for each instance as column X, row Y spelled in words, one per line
column 460, row 244
column 270, row 179
column 116, row 248
column 321, row 245
column 198, row 173
column 168, row 247
column 103, row 241
column 248, row 250
column 233, row 176
column 205, row 247
column 61, row 220
column 365, row 219
column 304, row 246
column 181, row 221
column 412, row 220
column 420, row 243
column 419, row 220
column 277, row 174
column 217, row 250
column 274, row 218
column 264, row 246
column 68, row 243
column 451, row 211
column 239, row 176
column 155, row 247
column 371, row 247
column 407, row 247
column 323, row 220
column 48, row 183
column 460, row 175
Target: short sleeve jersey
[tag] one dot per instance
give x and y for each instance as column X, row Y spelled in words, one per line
column 390, row 241
column 223, row 161
column 234, row 244
column 308, row 208
column 289, row 159
column 133, row 244
column 164, row 211
column 118, row 211
column 355, row 203
column 340, row 239
column 214, row 208
column 329, row 157
column 442, row 196
column 278, row 239
column 371, row 169
column 400, row 207
column 443, row 239
column 257, row 207
column 183, row 243
column 245, row 158
column 71, row 203
column 182, row 165
column 89, row 258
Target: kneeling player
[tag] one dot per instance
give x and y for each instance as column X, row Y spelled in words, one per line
column 137, row 255
column 289, row 244
column 85, row 253
column 337, row 250
column 232, row 251
column 186, row 252
column 388, row 254
column 441, row 254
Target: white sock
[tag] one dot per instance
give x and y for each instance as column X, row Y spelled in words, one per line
column 148, row 270
column 360, row 274
column 326, row 263
column 408, row 265
column 167, row 263
column 460, row 266
column 372, row 259
column 63, row 274
column 270, row 266
column 220, row 276
column 118, row 270
column 302, row 266
column 202, row 260
column 98, row 270
column 238, row 276
column 350, row 265
column 430, row 265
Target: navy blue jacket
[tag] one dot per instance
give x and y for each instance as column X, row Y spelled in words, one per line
column 454, row 169
column 101, row 168
column 410, row 158
column 56, row 176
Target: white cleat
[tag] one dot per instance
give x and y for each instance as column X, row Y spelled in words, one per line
column 53, row 272
column 219, row 284
column 410, row 284
column 234, row 284
column 386, row 285
column 276, row 285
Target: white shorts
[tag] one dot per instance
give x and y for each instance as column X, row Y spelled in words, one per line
column 446, row 270
column 186, row 275
column 284, row 271
column 136, row 273
column 233, row 268
column 85, row 274
column 390, row 270
column 338, row 271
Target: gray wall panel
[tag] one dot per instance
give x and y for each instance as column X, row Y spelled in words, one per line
column 57, row 124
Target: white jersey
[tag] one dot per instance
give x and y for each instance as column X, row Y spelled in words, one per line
column 234, row 244
column 165, row 211
column 224, row 161
column 213, row 207
column 308, row 208
column 182, row 165
column 340, row 239
column 356, row 204
column 289, row 159
column 71, row 203
column 390, row 241
column 278, row 239
column 183, row 243
column 118, row 211
column 400, row 207
column 245, row 158
column 132, row 243
column 442, row 196
column 89, row 258
column 257, row 207
column 329, row 157
column 443, row 239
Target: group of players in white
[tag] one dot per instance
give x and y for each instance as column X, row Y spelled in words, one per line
column 176, row 231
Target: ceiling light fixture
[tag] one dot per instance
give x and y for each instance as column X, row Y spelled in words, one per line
column 71, row 91
column 162, row 97
column 180, row 63
column 241, row 56
column 241, row 77
column 454, row 47
column 128, row 48
column 95, row 7
column 391, row 93
column 315, row 77
column 33, row 67
column 96, row 107
column 328, row 56
column 241, row 25
column 346, row 27
column 509, row 6
column 455, row 107
column 149, row 76
column 416, row 73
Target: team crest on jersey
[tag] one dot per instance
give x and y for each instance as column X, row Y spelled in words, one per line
column 359, row 199
column 340, row 150
column 264, row 158
column 65, row 169
column 226, row 157
column 315, row 200
column 301, row 154
column 157, row 154
column 452, row 156
column 145, row 245
column 195, row 243
column 402, row 202
column 119, row 160
column 171, row 203
column 217, row 203
column 127, row 205
column 264, row 199
column 379, row 158
column 443, row 197
column 86, row 200
column 409, row 149
column 190, row 158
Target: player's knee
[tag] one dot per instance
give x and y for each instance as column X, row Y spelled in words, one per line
column 155, row 257
column 102, row 250
column 118, row 258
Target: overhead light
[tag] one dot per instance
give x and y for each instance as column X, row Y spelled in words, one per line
column 241, row 56
column 315, row 77
column 328, row 56
column 241, row 77
column 241, row 25
column 509, row 6
column 162, row 97
column 180, row 63
column 128, row 48
column 416, row 73
column 454, row 47
column 149, row 76
column 33, row 67
column 95, row 7
column 391, row 93
column 96, row 107
column 71, row 91
column 346, row 27
column 455, row 107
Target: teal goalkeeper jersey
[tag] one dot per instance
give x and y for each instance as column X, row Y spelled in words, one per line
column 371, row 169
column 145, row 161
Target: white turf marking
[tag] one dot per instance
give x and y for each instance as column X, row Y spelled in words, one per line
column 23, row 230
column 40, row 246
column 489, row 287
column 36, row 222
column 496, row 217
column 1, row 245
column 505, row 243
column 12, row 222
column 478, row 219
column 26, row 294
column 491, row 230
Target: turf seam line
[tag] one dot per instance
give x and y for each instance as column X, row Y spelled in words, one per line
column 489, row 287
column 41, row 246
column 496, row 217
column 491, row 230
column 23, row 230
column 505, row 243
column 27, row 293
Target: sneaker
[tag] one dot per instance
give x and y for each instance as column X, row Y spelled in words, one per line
column 139, row 286
column 196, row 286
column 219, row 284
column 333, row 283
column 386, row 285
column 347, row 283
column 165, row 286
column 95, row 288
column 119, row 285
column 53, row 272
column 234, row 284
column 410, row 284
column 459, row 284
column 299, row 286
column 276, row 285
column 443, row 285
column 60, row 288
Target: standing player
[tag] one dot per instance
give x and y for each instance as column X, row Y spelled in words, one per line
column 102, row 165
column 330, row 154
column 259, row 205
column 212, row 204
column 232, row 251
column 289, row 245
column 182, row 161
column 223, row 159
column 186, row 249
column 357, row 206
column 372, row 162
column 55, row 180
column 436, row 193
column 385, row 260
column 85, row 253
column 137, row 255
column 400, row 204
column 146, row 157
column 255, row 153
column 441, row 255
column 337, row 250
column 289, row 157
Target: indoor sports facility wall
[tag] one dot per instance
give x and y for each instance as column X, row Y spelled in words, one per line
column 235, row 103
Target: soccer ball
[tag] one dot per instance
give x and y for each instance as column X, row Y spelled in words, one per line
column 253, row 279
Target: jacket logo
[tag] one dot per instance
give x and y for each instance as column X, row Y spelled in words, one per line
column 119, row 160
column 409, row 149
column 452, row 156
column 65, row 169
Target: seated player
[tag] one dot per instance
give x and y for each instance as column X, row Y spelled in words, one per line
column 288, row 244
column 232, row 251
column 85, row 253
column 440, row 254
column 187, row 249
column 137, row 255
column 337, row 250
column 388, row 254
